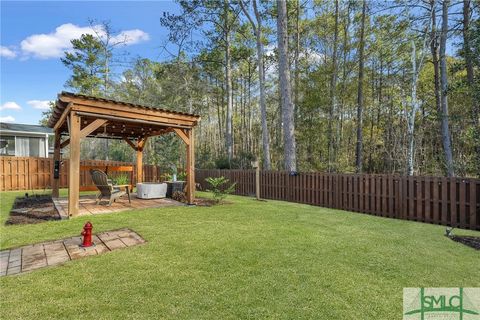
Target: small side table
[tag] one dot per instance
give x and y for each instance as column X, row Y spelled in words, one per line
column 127, row 189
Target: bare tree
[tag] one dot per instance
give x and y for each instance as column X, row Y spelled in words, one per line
column 414, row 104
column 285, row 89
column 106, row 36
column 257, row 30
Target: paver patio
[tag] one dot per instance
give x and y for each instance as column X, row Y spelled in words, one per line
column 35, row 256
column 87, row 205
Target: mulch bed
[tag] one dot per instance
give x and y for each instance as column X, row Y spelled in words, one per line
column 32, row 209
column 203, row 202
column 470, row 241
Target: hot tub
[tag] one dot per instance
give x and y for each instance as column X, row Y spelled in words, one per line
column 151, row 190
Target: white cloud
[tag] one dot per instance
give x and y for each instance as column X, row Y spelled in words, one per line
column 7, row 119
column 10, row 105
column 7, row 53
column 129, row 37
column 53, row 45
column 39, row 104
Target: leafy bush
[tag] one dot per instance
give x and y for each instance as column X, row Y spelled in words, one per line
column 219, row 188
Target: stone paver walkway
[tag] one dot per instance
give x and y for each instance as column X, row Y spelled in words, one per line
column 35, row 256
column 87, row 205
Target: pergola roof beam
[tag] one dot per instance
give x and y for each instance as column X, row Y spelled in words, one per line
column 131, row 120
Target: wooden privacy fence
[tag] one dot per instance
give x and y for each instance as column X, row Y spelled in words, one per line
column 26, row 173
column 439, row 200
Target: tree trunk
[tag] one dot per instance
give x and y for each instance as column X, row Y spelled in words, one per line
column 333, row 97
column 228, row 85
column 285, row 89
column 343, row 87
column 257, row 29
column 467, row 49
column 296, row 60
column 412, row 113
column 359, row 148
column 446, row 139
column 435, row 56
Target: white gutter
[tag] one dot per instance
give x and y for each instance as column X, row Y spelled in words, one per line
column 26, row 132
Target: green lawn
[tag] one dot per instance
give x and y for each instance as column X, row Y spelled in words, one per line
column 247, row 260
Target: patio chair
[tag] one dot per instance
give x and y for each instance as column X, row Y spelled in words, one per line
column 105, row 186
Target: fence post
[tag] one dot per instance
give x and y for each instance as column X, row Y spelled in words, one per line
column 257, row 182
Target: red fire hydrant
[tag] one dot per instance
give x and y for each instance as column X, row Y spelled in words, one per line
column 87, row 235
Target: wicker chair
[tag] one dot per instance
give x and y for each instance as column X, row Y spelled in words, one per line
column 106, row 187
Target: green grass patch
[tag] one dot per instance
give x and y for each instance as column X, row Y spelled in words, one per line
column 247, row 260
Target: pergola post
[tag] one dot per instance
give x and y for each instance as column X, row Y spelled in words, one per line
column 139, row 148
column 190, row 167
column 56, row 157
column 74, row 165
column 139, row 163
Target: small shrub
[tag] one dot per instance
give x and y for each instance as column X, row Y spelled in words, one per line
column 166, row 177
column 219, row 188
column 182, row 176
column 179, row 196
column 121, row 178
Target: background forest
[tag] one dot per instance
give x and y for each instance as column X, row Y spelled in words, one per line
column 331, row 86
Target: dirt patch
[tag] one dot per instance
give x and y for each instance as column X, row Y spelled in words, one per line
column 32, row 209
column 204, row 202
column 470, row 241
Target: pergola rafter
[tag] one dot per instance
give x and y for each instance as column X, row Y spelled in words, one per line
column 79, row 116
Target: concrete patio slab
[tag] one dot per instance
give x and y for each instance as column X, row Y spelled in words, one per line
column 51, row 253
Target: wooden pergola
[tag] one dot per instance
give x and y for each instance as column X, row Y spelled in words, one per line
column 79, row 116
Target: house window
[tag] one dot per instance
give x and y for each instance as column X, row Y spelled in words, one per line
column 29, row 147
column 22, row 147
column 7, row 146
column 37, row 147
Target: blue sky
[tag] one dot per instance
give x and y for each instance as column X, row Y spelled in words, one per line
column 34, row 33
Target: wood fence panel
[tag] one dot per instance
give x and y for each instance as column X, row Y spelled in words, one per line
column 461, row 203
column 474, row 206
column 446, row 201
column 419, row 199
column 389, row 195
column 453, row 202
column 436, row 200
column 427, row 202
